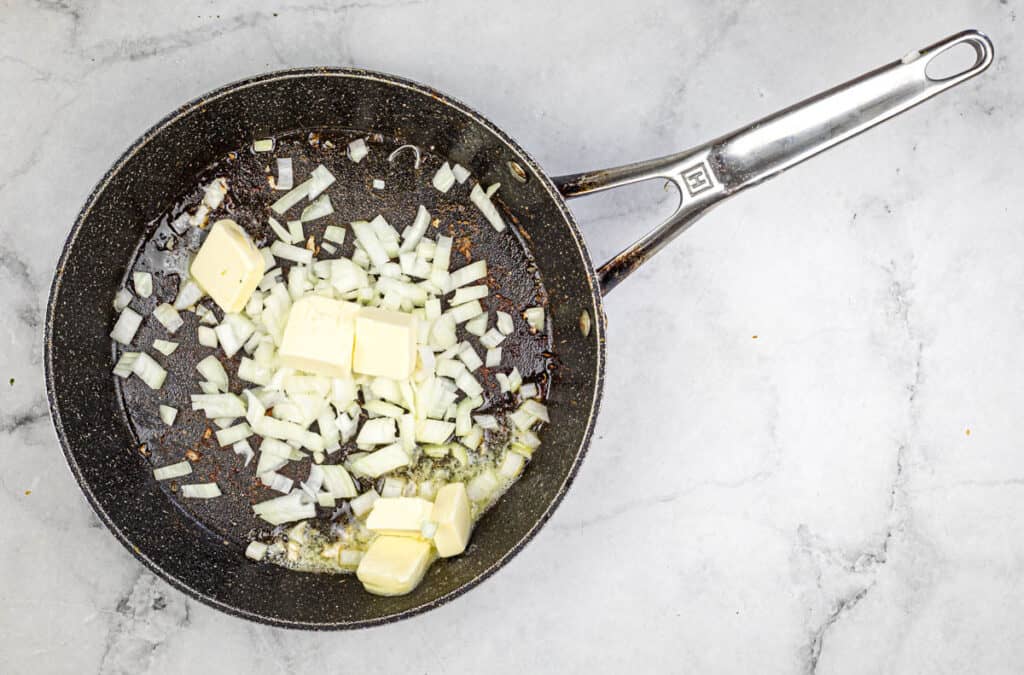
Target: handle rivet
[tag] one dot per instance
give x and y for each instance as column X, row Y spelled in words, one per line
column 518, row 173
column 585, row 323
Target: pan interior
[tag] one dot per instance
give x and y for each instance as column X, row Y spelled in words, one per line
column 102, row 448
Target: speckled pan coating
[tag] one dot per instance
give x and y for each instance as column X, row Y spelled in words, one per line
column 145, row 181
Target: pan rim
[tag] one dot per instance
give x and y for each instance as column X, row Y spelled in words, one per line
column 186, row 109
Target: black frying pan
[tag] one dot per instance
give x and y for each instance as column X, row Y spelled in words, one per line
column 202, row 559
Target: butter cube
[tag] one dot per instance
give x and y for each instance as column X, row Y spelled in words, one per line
column 385, row 343
column 399, row 516
column 319, row 335
column 394, row 565
column 228, row 266
column 454, row 521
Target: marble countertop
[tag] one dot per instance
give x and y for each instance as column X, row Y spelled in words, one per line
column 809, row 458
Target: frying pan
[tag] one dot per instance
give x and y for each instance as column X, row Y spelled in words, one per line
column 87, row 407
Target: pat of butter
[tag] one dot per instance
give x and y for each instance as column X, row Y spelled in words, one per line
column 319, row 335
column 454, row 520
column 228, row 266
column 385, row 343
column 394, row 565
column 400, row 516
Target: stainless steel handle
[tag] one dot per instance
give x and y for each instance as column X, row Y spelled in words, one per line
column 712, row 172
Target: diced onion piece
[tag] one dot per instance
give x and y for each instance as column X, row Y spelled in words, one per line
column 502, row 379
column 251, row 371
column 472, row 439
column 464, row 313
column 493, row 358
column 492, row 189
column 208, row 388
column 482, row 486
column 536, row 408
column 293, row 253
column 292, row 197
column 477, row 326
column 357, row 150
column 443, row 332
column 486, row 422
column 218, row 405
column 285, row 176
column 378, row 431
column 279, row 230
column 170, row 471
column 149, row 371
column 414, row 234
column 245, row 450
column 121, row 299
column 467, row 383
column 143, row 283
column 124, row 365
column 362, row 504
column 207, row 336
column 468, row 274
column 317, row 209
column 168, row 317
column 432, row 308
column 367, row 237
column 434, row 431
column 211, row 369
column 505, row 324
column 492, row 338
column 232, row 435
column 529, row 390
column 383, row 409
column 263, row 145
column 256, row 550
column 189, row 294
column 168, row 414
column 288, row 508
column 200, row 491
column 515, row 380
column 378, row 184
column 393, row 487
column 398, row 150
column 329, row 248
column 165, row 347
column 460, row 172
column 450, row 368
column 213, row 194
column 511, row 465
column 276, row 482
column 483, row 202
column 522, row 419
column 380, row 462
column 442, row 254
column 468, row 294
column 126, row 326
column 335, row 234
column 535, row 318
column 338, row 482
column 444, row 179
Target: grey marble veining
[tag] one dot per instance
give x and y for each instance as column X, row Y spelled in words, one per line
column 839, row 494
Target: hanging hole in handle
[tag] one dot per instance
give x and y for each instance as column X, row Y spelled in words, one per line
column 957, row 60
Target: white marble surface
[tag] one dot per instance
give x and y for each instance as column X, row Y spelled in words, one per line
column 807, row 501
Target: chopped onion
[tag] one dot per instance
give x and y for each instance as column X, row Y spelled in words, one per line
column 168, row 414
column 464, row 313
column 460, row 172
column 121, row 299
column 143, row 282
column 200, row 491
column 168, row 317
column 288, row 431
column 207, row 336
column 178, row 470
column 288, row 508
column 149, row 371
column 486, row 422
column 473, row 438
column 263, row 145
column 335, row 234
column 189, row 294
column 293, row 253
column 279, row 230
column 251, row 371
column 442, row 254
column 522, row 419
column 245, row 450
column 338, row 482
column 367, row 237
column 378, row 463
column 511, row 465
column 317, row 209
column 467, row 383
column 505, row 324
column 535, row 318
column 357, row 150
column 232, row 435
column 483, row 202
column 469, row 273
column 444, row 179
column 276, row 482
column 414, row 234
column 378, row 431
column 213, row 194
column 492, row 189
column 285, row 176
column 124, row 365
column 362, row 504
column 502, row 379
column 529, row 390
column 218, row 405
column 492, row 338
column 536, row 408
column 208, row 387
column 443, row 332
column 321, row 180
column 213, row 371
column 164, row 347
column 378, row 184
column 126, row 326
column 327, row 247
column 292, row 197
column 393, row 487
column 482, row 486
column 268, row 259
column 415, row 152
column 256, row 550
column 468, row 294
column 477, row 326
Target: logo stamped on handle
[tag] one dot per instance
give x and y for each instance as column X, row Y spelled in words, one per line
column 697, row 179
